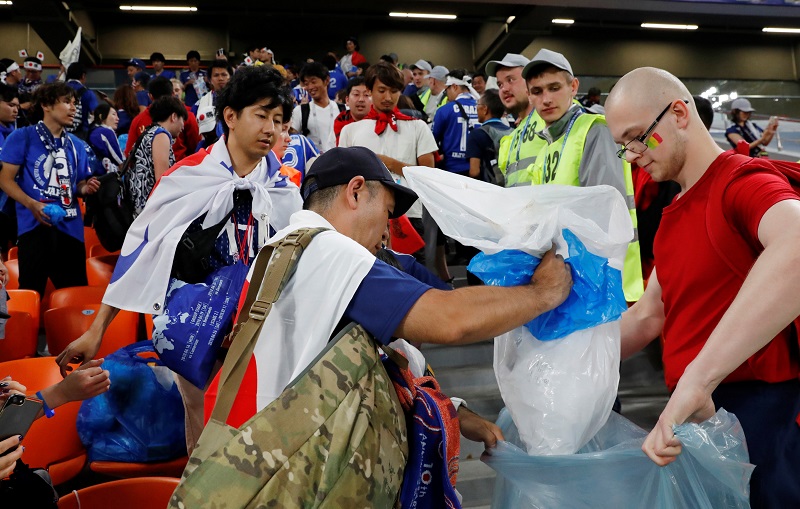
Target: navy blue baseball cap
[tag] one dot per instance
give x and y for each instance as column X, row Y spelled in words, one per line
column 136, row 62
column 339, row 165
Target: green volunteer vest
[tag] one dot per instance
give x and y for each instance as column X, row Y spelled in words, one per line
column 427, row 95
column 563, row 168
column 517, row 151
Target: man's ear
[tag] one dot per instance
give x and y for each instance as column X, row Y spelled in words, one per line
column 230, row 116
column 681, row 110
column 575, row 84
column 356, row 186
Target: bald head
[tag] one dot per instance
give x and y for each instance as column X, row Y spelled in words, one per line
column 652, row 114
column 646, row 90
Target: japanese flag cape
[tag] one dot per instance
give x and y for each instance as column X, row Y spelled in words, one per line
column 202, row 183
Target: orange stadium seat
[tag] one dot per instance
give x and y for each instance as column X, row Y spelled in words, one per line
column 13, row 253
column 140, row 493
column 66, row 324
column 13, row 274
column 77, row 296
column 100, row 268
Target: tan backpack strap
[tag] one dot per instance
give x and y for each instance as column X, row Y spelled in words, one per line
column 268, row 290
column 259, row 269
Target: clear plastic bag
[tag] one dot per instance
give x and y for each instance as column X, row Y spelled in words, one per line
column 712, row 472
column 559, row 393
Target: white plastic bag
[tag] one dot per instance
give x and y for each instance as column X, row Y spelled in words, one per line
column 559, row 393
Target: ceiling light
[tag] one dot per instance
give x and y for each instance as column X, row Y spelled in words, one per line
column 6, row 2
column 510, row 20
column 778, row 30
column 158, row 8
column 669, row 26
column 421, row 15
column 563, row 21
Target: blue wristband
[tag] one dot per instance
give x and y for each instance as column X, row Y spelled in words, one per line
column 48, row 412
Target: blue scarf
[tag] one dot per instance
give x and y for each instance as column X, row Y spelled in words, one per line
column 56, row 167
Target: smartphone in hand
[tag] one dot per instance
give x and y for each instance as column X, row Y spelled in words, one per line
column 17, row 416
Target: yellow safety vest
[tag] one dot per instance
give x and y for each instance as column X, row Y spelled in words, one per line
column 517, row 151
column 563, row 168
column 427, row 95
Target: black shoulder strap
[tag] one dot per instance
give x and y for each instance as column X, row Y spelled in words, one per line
column 341, row 107
column 305, row 111
column 464, row 115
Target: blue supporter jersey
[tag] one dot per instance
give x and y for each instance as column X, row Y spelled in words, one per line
column 38, row 178
column 5, row 131
column 300, row 151
column 338, row 82
column 105, row 145
column 166, row 73
column 88, row 102
column 450, row 129
column 298, row 93
column 383, row 300
column 197, row 90
column 143, row 98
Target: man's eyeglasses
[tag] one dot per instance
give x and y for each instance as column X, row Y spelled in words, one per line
column 640, row 144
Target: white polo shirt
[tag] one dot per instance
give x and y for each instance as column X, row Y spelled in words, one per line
column 412, row 139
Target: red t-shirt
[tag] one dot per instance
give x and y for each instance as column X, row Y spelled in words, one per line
column 184, row 145
column 697, row 285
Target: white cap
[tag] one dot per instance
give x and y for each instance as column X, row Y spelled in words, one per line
column 547, row 57
column 510, row 60
column 206, row 119
column 421, row 64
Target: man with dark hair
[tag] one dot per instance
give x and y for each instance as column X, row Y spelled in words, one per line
column 133, row 66
column 140, row 82
column 479, row 81
column 315, row 119
column 185, row 142
column 399, row 140
column 591, row 98
column 705, row 110
column 358, row 102
column 85, row 100
column 237, row 178
column 338, row 81
column 9, row 109
column 45, row 169
column 157, row 60
column 193, row 79
column 483, row 142
column 350, row 192
column 154, row 155
column 219, row 74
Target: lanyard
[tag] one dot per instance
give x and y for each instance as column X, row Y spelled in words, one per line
column 244, row 241
column 519, row 140
column 563, row 143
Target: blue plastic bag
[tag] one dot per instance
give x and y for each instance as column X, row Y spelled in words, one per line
column 612, row 471
column 596, row 295
column 196, row 319
column 141, row 417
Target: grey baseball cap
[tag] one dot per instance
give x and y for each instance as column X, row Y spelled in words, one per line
column 421, row 64
column 546, row 57
column 440, row 73
column 510, row 60
column 742, row 104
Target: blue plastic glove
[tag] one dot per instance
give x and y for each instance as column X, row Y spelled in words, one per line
column 55, row 213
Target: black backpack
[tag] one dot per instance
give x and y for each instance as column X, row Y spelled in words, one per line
column 110, row 209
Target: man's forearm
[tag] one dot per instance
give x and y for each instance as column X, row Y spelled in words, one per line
column 393, row 164
column 472, row 314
